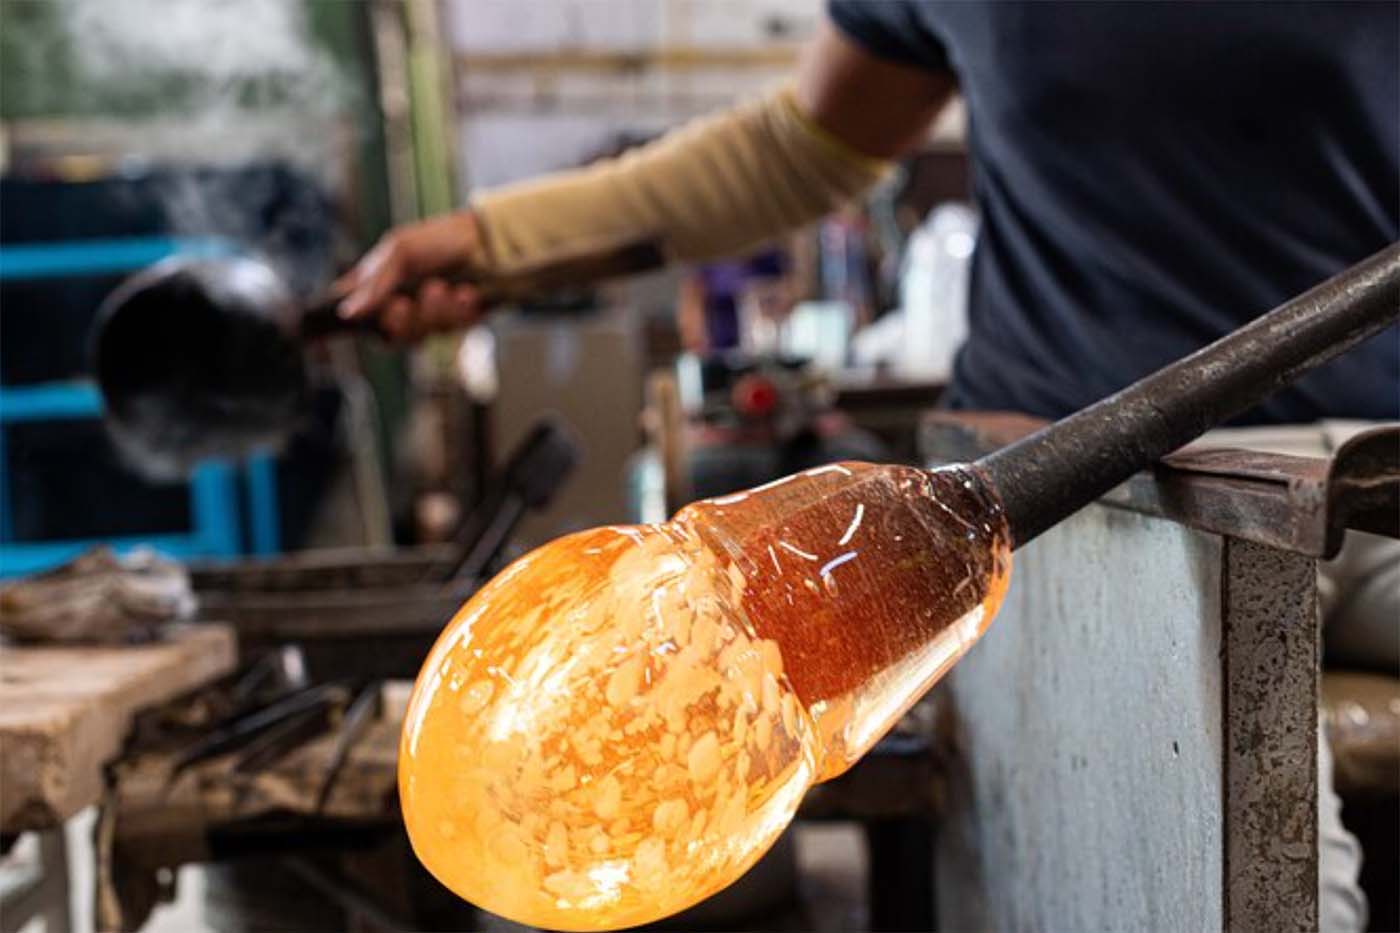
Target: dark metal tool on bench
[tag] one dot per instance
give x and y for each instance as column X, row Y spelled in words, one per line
column 262, row 734
column 359, row 716
column 198, row 358
column 535, row 471
column 257, row 764
column 1055, row 472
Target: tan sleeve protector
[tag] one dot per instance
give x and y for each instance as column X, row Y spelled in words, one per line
column 713, row 187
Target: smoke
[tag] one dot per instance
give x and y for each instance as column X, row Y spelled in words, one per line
column 221, row 40
column 234, row 88
column 279, row 216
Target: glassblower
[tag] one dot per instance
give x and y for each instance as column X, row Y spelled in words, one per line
column 625, row 719
column 621, row 722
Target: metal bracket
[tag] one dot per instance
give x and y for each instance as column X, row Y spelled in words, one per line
column 1299, row 504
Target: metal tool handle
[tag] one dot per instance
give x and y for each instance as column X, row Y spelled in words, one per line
column 539, row 465
column 1055, row 472
column 321, row 318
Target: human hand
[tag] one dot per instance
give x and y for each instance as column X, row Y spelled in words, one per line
column 403, row 280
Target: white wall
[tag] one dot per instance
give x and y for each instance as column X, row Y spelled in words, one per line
column 516, row 122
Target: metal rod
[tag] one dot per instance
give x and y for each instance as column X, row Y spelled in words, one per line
column 1055, row 472
column 321, row 318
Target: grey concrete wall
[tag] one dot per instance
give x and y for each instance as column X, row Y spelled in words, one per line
column 1089, row 794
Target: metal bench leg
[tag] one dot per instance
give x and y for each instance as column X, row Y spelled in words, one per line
column 900, row 881
column 1271, row 664
column 41, row 890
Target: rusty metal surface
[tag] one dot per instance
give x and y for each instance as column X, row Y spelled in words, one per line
column 334, row 614
column 334, row 596
column 1298, row 504
column 1363, row 484
column 325, row 570
column 1270, row 670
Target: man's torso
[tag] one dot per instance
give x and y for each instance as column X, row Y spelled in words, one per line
column 1151, row 176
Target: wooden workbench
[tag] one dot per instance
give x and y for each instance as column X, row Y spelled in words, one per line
column 65, row 712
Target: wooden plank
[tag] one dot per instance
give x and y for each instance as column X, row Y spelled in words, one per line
column 65, row 712
column 668, row 58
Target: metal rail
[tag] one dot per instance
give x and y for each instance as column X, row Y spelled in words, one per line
column 1055, row 472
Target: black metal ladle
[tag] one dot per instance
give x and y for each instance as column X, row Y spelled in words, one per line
column 201, row 358
column 198, row 358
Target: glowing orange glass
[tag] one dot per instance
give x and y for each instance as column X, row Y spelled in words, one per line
column 624, row 720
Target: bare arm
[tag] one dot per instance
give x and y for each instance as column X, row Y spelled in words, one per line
column 876, row 107
column 706, row 189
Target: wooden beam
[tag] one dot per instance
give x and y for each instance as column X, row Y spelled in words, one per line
column 670, row 58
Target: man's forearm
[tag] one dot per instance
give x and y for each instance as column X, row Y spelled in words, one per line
column 714, row 187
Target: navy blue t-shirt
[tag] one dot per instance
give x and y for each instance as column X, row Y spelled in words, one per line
column 1151, row 176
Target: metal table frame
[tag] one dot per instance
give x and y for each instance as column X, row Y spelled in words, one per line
column 1208, row 562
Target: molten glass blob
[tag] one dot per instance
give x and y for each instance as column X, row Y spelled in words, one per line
column 625, row 719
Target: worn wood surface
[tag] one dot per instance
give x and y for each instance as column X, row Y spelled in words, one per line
column 64, row 713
